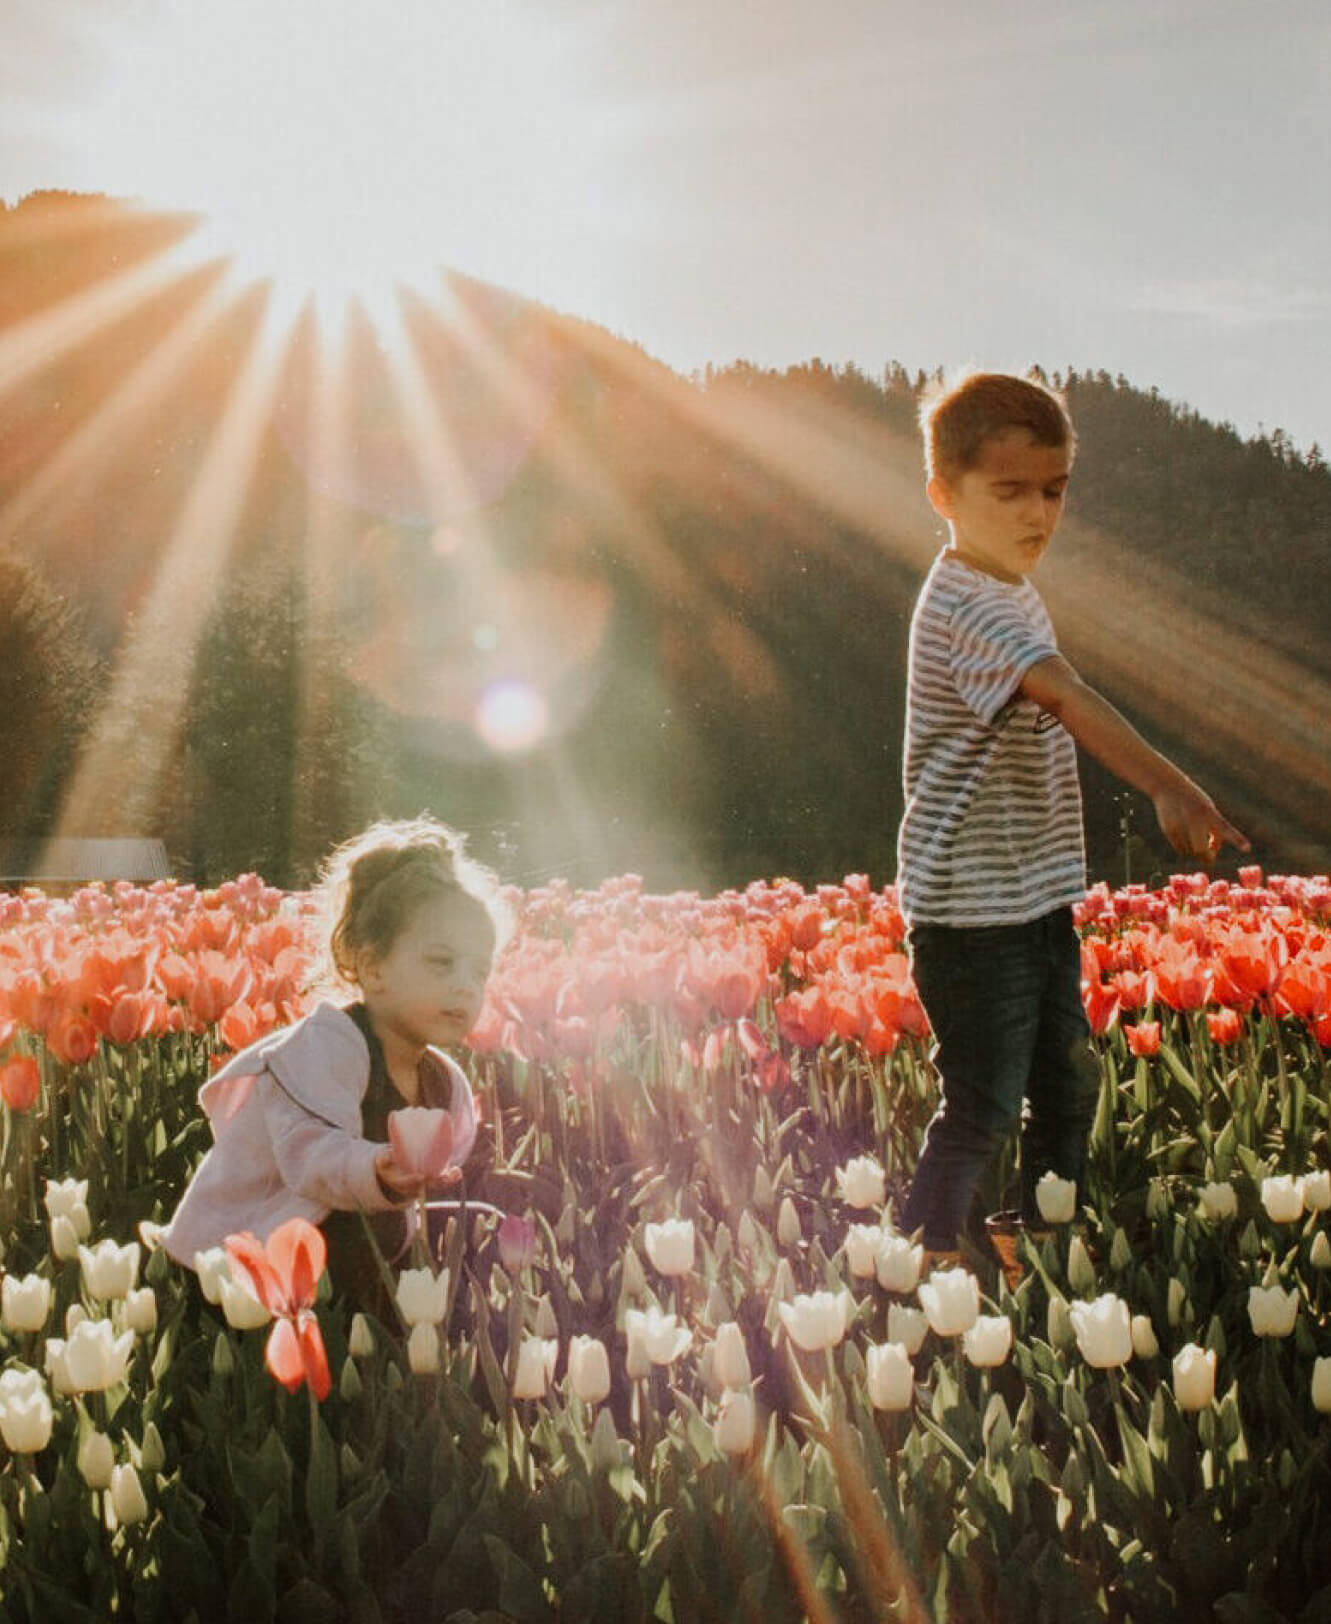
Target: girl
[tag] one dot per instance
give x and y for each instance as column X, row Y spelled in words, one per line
column 300, row 1118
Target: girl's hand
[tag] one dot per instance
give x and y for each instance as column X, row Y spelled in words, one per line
column 396, row 1180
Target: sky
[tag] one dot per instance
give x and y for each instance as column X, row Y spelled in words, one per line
column 1134, row 185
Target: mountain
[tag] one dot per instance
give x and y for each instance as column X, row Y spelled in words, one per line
column 506, row 566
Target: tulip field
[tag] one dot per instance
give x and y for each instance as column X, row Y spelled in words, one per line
column 671, row 1359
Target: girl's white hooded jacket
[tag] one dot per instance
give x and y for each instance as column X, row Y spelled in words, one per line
column 287, row 1143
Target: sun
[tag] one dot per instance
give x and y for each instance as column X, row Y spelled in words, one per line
column 343, row 152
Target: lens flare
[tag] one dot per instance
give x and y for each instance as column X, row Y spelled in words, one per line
column 512, row 717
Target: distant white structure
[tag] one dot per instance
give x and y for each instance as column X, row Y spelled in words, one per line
column 70, row 861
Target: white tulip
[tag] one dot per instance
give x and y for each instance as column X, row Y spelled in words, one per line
column 1194, row 1377
column 536, row 1366
column 1145, row 1343
column 75, row 1315
column 670, row 1246
column 127, row 1497
column 26, row 1303
column 109, row 1271
column 862, row 1182
column 1056, row 1198
column 1319, row 1253
column 908, row 1326
column 63, row 1197
column 1317, row 1190
column 899, row 1264
column 1282, row 1197
column 1218, row 1201
column 736, row 1422
column 890, row 1376
column 421, row 1295
column 1271, row 1310
column 731, row 1356
column 241, row 1309
column 1321, row 1385
column 588, row 1369
column 423, row 1349
column 657, row 1336
column 989, row 1341
column 213, row 1267
column 951, row 1301
column 788, row 1231
column 817, row 1320
column 64, row 1238
column 1103, row 1329
column 26, row 1417
column 92, row 1359
column 141, row 1311
column 861, row 1246
column 96, row 1458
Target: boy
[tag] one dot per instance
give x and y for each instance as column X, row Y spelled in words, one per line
column 990, row 853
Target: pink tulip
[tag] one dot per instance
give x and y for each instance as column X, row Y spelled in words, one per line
column 422, row 1140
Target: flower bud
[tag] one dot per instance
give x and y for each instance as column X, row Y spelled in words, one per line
column 360, row 1340
column 1120, row 1252
column 224, row 1360
column 731, row 1356
column 1056, row 1198
column 890, row 1377
column 96, row 1458
column 547, row 1326
column 1321, row 1386
column 1081, row 1271
column 1250, row 1242
column 764, row 1191
column 717, row 1310
column 127, row 1497
column 1194, row 1377
column 607, row 1452
column 746, row 1233
column 517, row 1243
column 1058, row 1324
column 1319, row 1253
column 736, row 1422
column 1176, row 1303
column 152, row 1451
column 1145, row 1344
column 633, row 1282
column 75, row 1315
column 349, row 1383
column 788, row 1231
column 213, row 1268
column 783, row 1281
column 1157, row 1200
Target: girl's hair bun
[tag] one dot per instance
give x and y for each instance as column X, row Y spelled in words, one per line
column 371, row 884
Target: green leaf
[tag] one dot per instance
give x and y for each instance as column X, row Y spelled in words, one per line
column 1240, row 1608
column 321, row 1480
column 520, row 1591
column 309, row 1603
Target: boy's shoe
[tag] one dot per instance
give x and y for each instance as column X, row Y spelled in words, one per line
column 939, row 1260
column 1005, row 1231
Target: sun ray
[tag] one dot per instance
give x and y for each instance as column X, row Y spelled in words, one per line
column 63, row 477
column 119, row 772
column 32, row 344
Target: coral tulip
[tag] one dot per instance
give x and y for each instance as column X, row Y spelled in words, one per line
column 285, row 1274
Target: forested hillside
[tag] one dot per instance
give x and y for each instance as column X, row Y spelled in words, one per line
column 601, row 615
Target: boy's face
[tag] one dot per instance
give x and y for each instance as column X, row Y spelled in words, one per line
column 1004, row 511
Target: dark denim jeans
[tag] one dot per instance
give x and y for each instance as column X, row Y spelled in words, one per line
column 1004, row 1002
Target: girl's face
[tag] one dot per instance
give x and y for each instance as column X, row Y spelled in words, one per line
column 428, row 986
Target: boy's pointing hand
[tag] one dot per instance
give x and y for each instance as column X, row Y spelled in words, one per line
column 1193, row 824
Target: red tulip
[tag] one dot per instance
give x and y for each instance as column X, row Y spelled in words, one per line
column 1101, row 1004
column 285, row 1275
column 1143, row 1038
column 20, row 1083
column 1224, row 1025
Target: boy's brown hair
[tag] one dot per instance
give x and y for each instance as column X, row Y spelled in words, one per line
column 959, row 413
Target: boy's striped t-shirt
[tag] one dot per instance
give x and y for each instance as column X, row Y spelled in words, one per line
column 992, row 831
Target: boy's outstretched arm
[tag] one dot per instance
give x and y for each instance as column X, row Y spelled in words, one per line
column 1187, row 815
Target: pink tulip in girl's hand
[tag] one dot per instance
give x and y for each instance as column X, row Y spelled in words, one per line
column 423, row 1143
